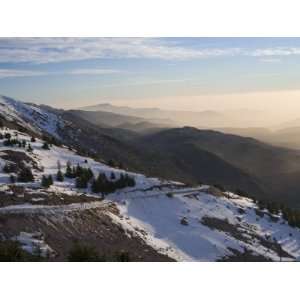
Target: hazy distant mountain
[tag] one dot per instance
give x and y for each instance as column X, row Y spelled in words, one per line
column 144, row 127
column 103, row 118
column 201, row 119
column 155, row 114
column 286, row 137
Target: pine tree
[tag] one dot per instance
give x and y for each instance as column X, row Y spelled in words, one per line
column 50, row 179
column 33, row 140
column 7, row 136
column 45, row 146
column 59, row 176
column 44, row 182
column 90, row 173
column 112, row 176
column 25, row 175
column 12, row 179
column 69, row 172
column 7, row 168
column 78, row 171
column 81, row 182
column 29, row 148
column 94, row 186
column 23, row 143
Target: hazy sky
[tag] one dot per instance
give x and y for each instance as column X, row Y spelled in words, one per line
column 180, row 73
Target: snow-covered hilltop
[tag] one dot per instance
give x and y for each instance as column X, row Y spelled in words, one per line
column 30, row 116
column 163, row 218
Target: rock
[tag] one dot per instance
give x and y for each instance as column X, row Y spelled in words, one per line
column 184, row 221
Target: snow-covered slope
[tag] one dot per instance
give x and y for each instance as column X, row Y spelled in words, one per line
column 30, row 116
column 186, row 223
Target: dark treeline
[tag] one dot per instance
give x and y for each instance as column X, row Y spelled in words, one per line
column 101, row 184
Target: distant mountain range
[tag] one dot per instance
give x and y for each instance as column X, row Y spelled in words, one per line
column 200, row 119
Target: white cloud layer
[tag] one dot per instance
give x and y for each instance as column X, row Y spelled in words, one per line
column 47, row 50
column 93, row 71
column 6, row 73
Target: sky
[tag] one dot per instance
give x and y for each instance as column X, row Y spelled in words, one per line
column 176, row 73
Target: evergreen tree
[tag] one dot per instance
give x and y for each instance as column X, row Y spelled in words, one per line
column 78, row 171
column 29, row 148
column 59, row 176
column 7, row 136
column 81, row 182
column 12, row 179
column 25, row 175
column 90, row 174
column 33, row 140
column 95, row 187
column 46, row 181
column 97, row 184
column 69, row 171
column 112, row 176
column 50, row 179
column 23, row 143
column 7, row 168
column 46, row 146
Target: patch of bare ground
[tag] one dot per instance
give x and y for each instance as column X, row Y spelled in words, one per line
column 92, row 227
column 17, row 194
column 244, row 233
column 18, row 158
